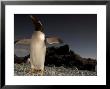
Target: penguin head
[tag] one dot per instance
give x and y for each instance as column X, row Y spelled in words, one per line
column 37, row 23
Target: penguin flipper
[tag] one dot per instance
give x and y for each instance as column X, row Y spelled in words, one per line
column 53, row 40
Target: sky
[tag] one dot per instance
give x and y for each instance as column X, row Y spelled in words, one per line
column 79, row 31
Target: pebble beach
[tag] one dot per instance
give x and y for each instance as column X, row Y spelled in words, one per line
column 23, row 70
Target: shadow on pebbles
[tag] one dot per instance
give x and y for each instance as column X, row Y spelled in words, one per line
column 23, row 70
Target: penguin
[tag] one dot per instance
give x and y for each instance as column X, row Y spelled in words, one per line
column 38, row 46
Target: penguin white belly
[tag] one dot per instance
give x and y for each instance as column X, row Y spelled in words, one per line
column 37, row 53
column 38, row 56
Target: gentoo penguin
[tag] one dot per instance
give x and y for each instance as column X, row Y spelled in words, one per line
column 38, row 46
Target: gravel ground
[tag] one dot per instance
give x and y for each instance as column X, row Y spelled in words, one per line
column 23, row 70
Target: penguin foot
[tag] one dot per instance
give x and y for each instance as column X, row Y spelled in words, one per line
column 38, row 72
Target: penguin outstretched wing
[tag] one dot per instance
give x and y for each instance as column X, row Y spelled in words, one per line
column 53, row 40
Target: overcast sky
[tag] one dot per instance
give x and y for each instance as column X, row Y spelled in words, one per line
column 79, row 31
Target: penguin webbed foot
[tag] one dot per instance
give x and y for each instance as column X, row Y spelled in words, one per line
column 37, row 72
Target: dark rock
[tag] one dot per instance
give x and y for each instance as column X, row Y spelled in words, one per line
column 62, row 56
column 21, row 59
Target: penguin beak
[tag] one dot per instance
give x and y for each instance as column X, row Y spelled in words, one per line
column 34, row 18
